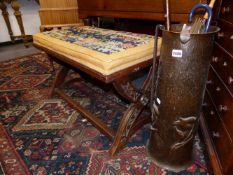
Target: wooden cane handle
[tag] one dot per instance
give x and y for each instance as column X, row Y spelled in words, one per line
column 211, row 5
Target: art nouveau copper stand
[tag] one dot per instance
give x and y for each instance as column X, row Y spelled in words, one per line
column 182, row 75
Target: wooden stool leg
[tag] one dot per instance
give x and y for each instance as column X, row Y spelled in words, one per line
column 126, row 124
column 129, row 123
column 126, row 89
column 63, row 71
column 51, row 64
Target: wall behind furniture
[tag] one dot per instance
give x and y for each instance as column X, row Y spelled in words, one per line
column 31, row 20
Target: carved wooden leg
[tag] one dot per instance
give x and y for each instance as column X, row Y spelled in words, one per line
column 15, row 5
column 63, row 71
column 130, row 121
column 51, row 64
column 5, row 15
column 126, row 124
column 126, row 89
column 42, row 28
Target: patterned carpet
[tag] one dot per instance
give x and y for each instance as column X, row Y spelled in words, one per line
column 41, row 136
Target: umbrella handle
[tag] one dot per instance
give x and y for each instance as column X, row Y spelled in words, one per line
column 208, row 9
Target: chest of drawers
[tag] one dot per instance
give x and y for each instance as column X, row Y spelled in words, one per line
column 217, row 121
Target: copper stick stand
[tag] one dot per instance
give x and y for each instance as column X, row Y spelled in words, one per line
column 181, row 79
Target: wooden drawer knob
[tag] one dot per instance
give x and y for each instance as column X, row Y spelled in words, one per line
column 220, row 35
column 222, row 108
column 215, row 59
column 230, row 80
column 216, row 134
column 218, row 89
column 225, row 63
column 204, row 104
column 226, row 10
column 211, row 112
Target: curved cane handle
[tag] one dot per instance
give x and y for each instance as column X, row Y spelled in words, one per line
column 211, row 5
column 208, row 9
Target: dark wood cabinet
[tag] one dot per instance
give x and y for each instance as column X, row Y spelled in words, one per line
column 137, row 9
column 217, row 122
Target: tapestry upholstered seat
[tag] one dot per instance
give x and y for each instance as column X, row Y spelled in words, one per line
column 105, row 51
column 110, row 56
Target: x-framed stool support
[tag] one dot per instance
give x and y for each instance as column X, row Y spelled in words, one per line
column 131, row 120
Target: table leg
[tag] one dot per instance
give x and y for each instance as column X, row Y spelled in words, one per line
column 126, row 89
column 126, row 126
column 51, row 62
column 5, row 15
column 130, row 121
column 61, row 75
column 15, row 5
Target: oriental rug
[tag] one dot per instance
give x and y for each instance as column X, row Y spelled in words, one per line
column 41, row 136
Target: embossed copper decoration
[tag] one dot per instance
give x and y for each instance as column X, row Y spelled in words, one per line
column 178, row 96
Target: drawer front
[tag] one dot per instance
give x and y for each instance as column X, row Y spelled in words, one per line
column 226, row 11
column 225, row 36
column 137, row 5
column 223, row 64
column 220, row 137
column 222, row 100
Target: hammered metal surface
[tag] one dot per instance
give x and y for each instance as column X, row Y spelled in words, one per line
column 181, row 81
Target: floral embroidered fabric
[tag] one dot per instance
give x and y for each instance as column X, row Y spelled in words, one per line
column 101, row 40
column 102, row 50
